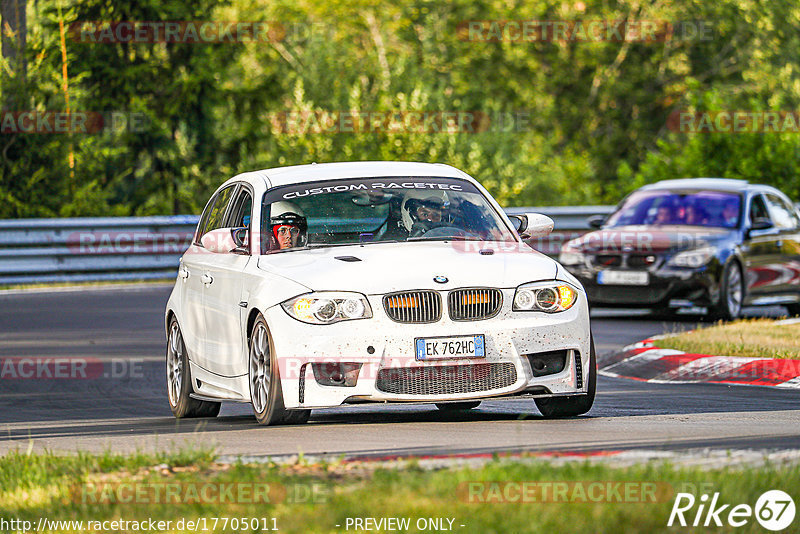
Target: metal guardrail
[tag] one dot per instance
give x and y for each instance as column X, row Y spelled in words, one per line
column 148, row 248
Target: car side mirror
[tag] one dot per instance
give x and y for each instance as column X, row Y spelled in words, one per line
column 520, row 223
column 240, row 237
column 596, row 221
column 761, row 223
column 534, row 225
column 222, row 241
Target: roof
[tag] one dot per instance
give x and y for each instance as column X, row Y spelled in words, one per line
column 724, row 184
column 358, row 169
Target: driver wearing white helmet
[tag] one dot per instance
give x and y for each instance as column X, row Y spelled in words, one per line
column 425, row 214
column 288, row 226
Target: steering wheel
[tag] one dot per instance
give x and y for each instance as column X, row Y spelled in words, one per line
column 439, row 231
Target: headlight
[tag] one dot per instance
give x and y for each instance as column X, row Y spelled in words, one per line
column 550, row 297
column 328, row 307
column 693, row 258
column 571, row 256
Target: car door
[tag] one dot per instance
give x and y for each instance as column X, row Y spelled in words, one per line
column 193, row 269
column 761, row 251
column 192, row 319
column 224, row 315
column 786, row 221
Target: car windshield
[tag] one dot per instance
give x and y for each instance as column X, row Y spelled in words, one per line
column 688, row 208
column 375, row 210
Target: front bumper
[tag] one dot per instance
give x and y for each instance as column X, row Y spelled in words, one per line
column 695, row 287
column 390, row 373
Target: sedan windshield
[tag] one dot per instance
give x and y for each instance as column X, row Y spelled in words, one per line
column 375, row 210
column 688, row 208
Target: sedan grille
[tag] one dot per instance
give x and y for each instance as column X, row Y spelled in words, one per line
column 641, row 260
column 608, row 260
column 446, row 380
column 413, row 306
column 474, row 304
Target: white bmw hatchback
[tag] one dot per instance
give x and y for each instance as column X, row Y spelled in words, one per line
column 318, row 286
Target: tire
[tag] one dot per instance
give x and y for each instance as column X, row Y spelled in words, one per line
column 576, row 404
column 179, row 379
column 457, row 406
column 793, row 310
column 731, row 295
column 264, row 378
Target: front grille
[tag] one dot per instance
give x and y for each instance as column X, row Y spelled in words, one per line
column 608, row 260
column 578, row 370
column 413, row 306
column 474, row 304
column 448, row 379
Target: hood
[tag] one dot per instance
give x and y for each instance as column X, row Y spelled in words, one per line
column 386, row 267
column 648, row 239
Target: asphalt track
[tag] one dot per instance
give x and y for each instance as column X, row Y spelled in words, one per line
column 124, row 407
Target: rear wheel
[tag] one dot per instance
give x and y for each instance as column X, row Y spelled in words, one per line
column 575, row 404
column 793, row 309
column 457, row 406
column 179, row 379
column 731, row 294
column 266, row 393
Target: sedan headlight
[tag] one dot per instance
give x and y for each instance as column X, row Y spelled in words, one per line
column 549, row 297
column 571, row 255
column 328, row 307
column 693, row 258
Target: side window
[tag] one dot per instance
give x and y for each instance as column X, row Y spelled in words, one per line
column 758, row 210
column 216, row 212
column 216, row 219
column 204, row 219
column 242, row 210
column 782, row 215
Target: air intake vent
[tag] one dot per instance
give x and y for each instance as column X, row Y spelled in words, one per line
column 413, row 306
column 446, row 380
column 474, row 304
column 303, row 383
column 578, row 370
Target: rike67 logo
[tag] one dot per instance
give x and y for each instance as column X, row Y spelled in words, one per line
column 774, row 510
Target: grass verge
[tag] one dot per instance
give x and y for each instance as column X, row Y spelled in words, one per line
column 318, row 497
column 755, row 338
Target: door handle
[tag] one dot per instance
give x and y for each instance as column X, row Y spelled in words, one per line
column 183, row 273
column 206, row 278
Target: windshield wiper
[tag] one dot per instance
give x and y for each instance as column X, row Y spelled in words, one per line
column 443, row 238
column 354, row 243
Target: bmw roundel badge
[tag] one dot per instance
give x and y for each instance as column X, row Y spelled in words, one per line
column 440, row 279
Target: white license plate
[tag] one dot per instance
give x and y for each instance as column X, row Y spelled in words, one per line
column 439, row 348
column 623, row 278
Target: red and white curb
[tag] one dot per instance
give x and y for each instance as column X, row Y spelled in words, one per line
column 645, row 361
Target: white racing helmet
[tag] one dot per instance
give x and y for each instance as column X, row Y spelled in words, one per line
column 429, row 199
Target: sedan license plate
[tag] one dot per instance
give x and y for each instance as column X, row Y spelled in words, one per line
column 440, row 348
column 624, row 278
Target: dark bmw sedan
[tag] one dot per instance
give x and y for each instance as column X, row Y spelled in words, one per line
column 703, row 242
